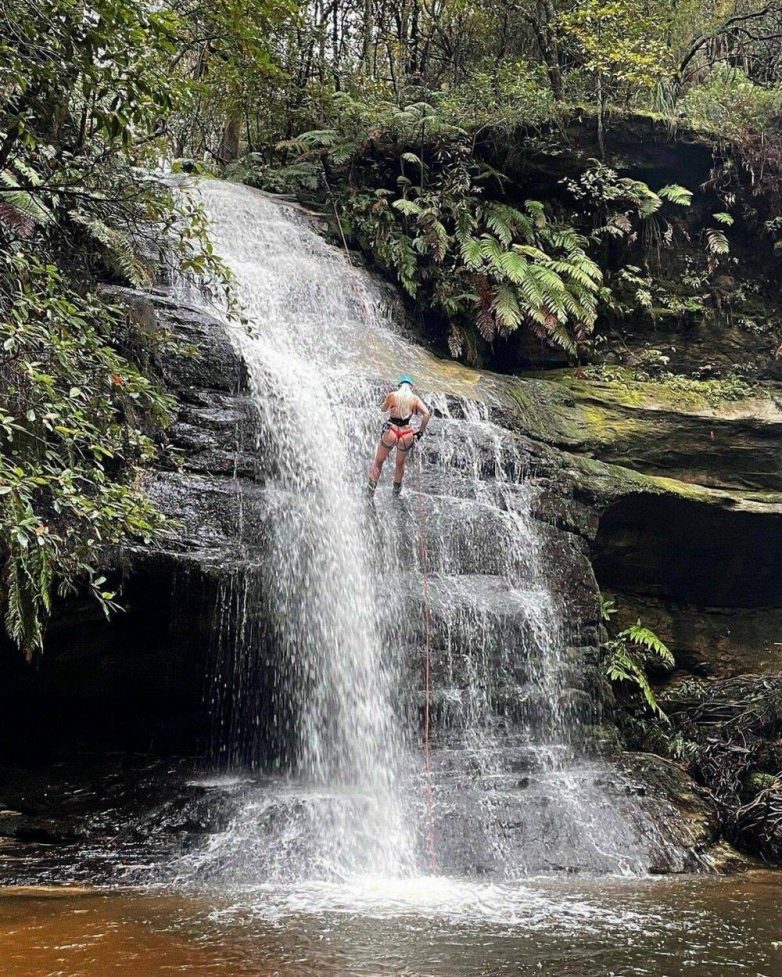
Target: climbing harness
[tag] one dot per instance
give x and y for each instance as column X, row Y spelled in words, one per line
column 398, row 429
column 424, row 557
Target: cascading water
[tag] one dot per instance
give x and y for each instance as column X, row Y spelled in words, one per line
column 319, row 674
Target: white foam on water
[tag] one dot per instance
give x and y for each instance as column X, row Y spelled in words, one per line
column 453, row 902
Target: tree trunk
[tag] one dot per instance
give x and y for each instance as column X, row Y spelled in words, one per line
column 229, row 144
column 601, row 135
column 366, row 52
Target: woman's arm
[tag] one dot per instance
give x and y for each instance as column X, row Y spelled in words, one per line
column 423, row 412
column 387, row 403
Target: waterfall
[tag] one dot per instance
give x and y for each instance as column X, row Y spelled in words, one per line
column 318, row 683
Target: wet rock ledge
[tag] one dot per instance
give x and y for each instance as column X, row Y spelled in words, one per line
column 695, row 558
column 140, row 681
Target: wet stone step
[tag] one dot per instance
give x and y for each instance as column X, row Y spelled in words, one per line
column 528, row 707
column 467, row 536
column 478, row 612
column 458, row 677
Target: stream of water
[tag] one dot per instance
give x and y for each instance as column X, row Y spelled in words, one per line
column 702, row 927
column 342, row 601
column 316, row 843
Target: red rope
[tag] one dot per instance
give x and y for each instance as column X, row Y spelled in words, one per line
column 424, row 555
column 427, row 666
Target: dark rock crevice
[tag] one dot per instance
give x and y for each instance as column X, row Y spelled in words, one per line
column 682, row 550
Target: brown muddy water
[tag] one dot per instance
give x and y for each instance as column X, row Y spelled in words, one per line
column 676, row 927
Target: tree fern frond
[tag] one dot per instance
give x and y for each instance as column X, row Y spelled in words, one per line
column 407, row 207
column 716, row 241
column 575, row 271
column 547, row 278
column 723, row 218
column 506, row 308
column 537, row 212
column 412, row 158
column 472, row 252
column 492, row 251
column 514, row 266
column 676, row 194
column 119, row 249
column 464, row 225
column 497, row 222
column 530, row 251
column 20, row 208
column 560, row 336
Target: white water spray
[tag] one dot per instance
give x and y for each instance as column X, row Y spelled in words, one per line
column 325, row 657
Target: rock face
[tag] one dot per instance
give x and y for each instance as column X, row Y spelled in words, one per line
column 141, row 680
column 675, row 511
column 677, row 489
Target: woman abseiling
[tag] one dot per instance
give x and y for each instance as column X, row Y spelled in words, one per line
column 397, row 433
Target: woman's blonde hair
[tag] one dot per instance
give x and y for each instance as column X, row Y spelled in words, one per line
column 404, row 398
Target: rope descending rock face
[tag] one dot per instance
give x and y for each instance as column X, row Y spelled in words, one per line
column 424, row 558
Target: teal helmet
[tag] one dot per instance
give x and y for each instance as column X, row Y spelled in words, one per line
column 405, row 378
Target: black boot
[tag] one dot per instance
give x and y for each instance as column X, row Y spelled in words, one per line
column 397, row 489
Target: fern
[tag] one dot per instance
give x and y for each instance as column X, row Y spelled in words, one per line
column 506, row 222
column 676, row 194
column 646, row 638
column 492, row 251
column 472, row 253
column 407, row 207
column 340, row 154
column 630, row 653
column 304, row 174
column 723, row 218
column 412, row 158
column 625, row 667
column 464, row 225
column 506, row 307
column 515, row 267
column 716, row 241
column 531, row 252
column 558, row 334
column 19, row 208
column 306, row 142
column 118, row 248
column 488, row 263
column 537, row 211
column 649, row 205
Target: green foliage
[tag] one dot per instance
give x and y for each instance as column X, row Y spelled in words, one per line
column 621, row 42
column 72, row 423
column 729, row 104
column 228, row 62
column 84, row 92
column 400, row 121
column 630, row 652
column 489, row 266
column 742, row 116
column 500, row 98
column 676, row 194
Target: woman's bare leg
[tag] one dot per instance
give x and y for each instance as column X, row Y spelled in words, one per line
column 405, row 444
column 383, row 451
